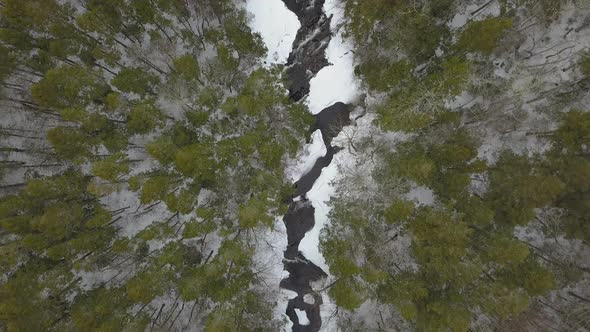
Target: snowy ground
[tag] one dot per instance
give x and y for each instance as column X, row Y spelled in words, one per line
column 307, row 157
column 276, row 24
column 269, row 259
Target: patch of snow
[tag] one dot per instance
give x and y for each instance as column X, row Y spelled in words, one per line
column 277, row 25
column 308, row 298
column 337, row 81
column 463, row 100
column 319, row 195
column 307, row 158
column 459, row 20
column 422, row 195
column 302, row 316
column 269, row 260
column 478, row 11
column 500, row 70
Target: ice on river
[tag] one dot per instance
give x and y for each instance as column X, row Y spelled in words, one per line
column 302, row 316
column 337, row 81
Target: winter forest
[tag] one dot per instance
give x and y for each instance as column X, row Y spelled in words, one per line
column 295, row 165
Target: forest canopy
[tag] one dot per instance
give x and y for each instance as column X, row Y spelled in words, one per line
column 144, row 154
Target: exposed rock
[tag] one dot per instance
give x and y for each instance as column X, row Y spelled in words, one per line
column 307, row 57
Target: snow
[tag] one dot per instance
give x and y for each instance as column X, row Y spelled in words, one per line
column 332, row 84
column 277, row 25
column 309, row 299
column 319, row 195
column 307, row 157
column 543, row 66
column 421, row 195
column 269, row 260
column 336, row 82
column 302, row 316
column 475, row 12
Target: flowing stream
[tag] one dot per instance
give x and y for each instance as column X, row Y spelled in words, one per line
column 319, row 71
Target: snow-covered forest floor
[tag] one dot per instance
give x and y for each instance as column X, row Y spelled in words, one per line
column 505, row 91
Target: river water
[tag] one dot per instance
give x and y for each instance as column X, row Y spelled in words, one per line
column 319, row 70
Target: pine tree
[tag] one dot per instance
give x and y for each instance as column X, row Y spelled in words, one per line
column 136, row 80
column 483, row 36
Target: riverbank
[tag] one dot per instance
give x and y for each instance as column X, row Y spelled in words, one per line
column 319, row 72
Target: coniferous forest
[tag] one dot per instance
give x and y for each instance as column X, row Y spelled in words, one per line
column 156, row 165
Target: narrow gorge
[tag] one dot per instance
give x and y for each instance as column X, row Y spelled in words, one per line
column 306, row 60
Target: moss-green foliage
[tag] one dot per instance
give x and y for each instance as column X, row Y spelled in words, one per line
column 585, row 64
column 413, row 28
column 442, row 9
column 413, row 164
column 446, row 167
column 362, row 15
column 155, row 188
column 144, row 286
column 162, row 149
column 187, row 68
column 452, row 251
column 183, row 202
column 419, row 103
column 196, row 161
column 252, row 212
column 8, row 60
column 68, row 86
column 197, row 229
column 21, row 306
column 570, row 161
column 573, row 134
column 220, row 133
column 241, row 37
column 399, row 211
column 100, row 310
column 347, row 295
column 121, row 84
column 420, row 36
column 55, row 220
column 483, row 36
column 381, row 75
column 144, row 118
column 514, row 179
column 111, row 168
column 69, row 143
column 135, row 80
column 464, row 236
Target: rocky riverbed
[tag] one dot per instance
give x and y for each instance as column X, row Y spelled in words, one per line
column 308, row 54
column 307, row 58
